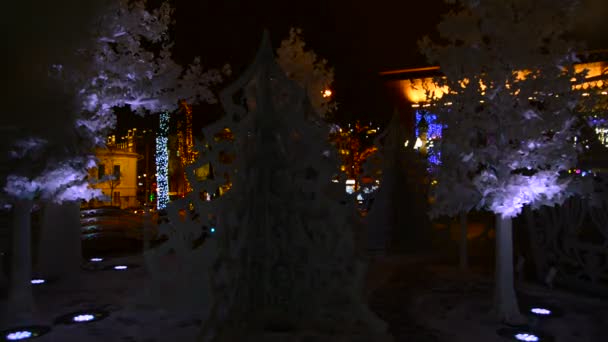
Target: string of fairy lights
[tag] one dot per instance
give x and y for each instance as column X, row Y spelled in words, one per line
column 162, row 162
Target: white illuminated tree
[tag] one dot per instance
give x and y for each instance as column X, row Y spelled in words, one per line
column 310, row 72
column 39, row 178
column 127, row 61
column 124, row 61
column 512, row 119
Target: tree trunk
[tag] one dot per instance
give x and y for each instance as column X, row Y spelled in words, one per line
column 464, row 259
column 537, row 251
column 20, row 297
column 505, row 299
column 60, row 247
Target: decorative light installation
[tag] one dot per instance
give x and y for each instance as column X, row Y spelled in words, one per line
column 162, row 162
column 96, row 259
column 185, row 141
column 37, row 281
column 428, row 131
column 120, row 267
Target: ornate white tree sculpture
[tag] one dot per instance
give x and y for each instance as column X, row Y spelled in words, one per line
column 509, row 70
column 281, row 262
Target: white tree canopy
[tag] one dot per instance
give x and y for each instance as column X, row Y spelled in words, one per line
column 125, row 60
column 128, row 63
column 511, row 122
column 308, row 70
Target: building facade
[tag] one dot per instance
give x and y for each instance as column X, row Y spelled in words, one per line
column 410, row 89
column 116, row 174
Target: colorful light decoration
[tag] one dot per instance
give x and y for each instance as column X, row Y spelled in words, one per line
column 428, row 131
column 353, row 151
column 162, row 162
column 185, row 141
column 96, row 259
column 121, row 267
column 37, row 281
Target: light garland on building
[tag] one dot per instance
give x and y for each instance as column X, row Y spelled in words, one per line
column 162, row 162
column 187, row 153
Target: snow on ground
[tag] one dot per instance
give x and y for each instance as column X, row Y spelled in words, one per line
column 421, row 300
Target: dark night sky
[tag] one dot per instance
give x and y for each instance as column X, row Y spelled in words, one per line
column 358, row 38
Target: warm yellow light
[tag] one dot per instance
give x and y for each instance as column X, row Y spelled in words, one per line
column 421, row 90
column 326, row 93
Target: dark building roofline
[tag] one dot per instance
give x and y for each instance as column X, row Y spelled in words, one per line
column 431, row 71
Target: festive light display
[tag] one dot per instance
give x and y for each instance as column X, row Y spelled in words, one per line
column 162, row 162
column 37, row 281
column 353, row 153
column 428, row 131
column 185, row 141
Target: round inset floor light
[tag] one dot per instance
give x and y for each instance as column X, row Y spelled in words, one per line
column 120, row 267
column 37, row 281
column 24, row 333
column 81, row 317
column 96, row 259
column 540, row 311
column 526, row 337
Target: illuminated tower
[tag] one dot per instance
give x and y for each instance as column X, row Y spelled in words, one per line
column 185, row 141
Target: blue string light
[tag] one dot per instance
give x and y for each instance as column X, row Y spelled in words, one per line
column 433, row 132
column 162, row 162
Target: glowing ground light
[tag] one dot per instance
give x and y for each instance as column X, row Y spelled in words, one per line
column 83, row 318
column 19, row 335
column 540, row 311
column 37, row 281
column 212, row 230
column 120, row 267
column 96, row 259
column 526, row 337
column 24, row 333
